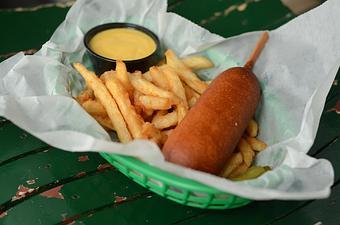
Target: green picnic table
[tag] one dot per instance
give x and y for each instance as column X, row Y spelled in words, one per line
column 40, row 184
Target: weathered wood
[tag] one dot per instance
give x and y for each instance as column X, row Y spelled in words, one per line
column 15, row 142
column 28, row 29
column 228, row 18
column 42, row 168
column 325, row 210
column 79, row 196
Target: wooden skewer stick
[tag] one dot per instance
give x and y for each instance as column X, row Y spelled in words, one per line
column 257, row 51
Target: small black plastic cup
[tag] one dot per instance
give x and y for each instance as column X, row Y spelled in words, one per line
column 102, row 64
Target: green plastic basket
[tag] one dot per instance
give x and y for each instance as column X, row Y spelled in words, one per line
column 181, row 190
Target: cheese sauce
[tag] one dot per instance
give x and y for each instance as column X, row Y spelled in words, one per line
column 122, row 44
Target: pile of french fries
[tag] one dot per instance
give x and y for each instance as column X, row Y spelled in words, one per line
column 243, row 156
column 150, row 105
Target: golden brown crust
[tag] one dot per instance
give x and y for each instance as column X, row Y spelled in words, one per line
column 210, row 131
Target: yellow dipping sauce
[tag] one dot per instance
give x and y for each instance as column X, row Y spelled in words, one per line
column 122, row 44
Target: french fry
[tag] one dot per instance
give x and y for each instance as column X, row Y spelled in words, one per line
column 246, row 151
column 121, row 96
column 189, row 92
column 184, row 72
column 160, row 113
column 241, row 169
column 192, row 101
column 107, row 73
column 252, row 173
column 176, row 87
column 147, row 115
column 94, row 107
column 234, row 161
column 136, row 103
column 191, row 95
column 85, row 95
column 173, row 60
column 154, row 102
column 256, row 144
column 197, row 62
column 151, row 133
column 141, row 109
column 165, row 121
column 175, row 84
column 104, row 97
column 167, row 132
column 191, row 80
column 165, row 135
column 147, row 88
column 123, row 77
column 147, row 76
column 252, row 128
column 104, row 121
column 208, row 82
column 148, row 112
column 158, row 78
column 181, row 110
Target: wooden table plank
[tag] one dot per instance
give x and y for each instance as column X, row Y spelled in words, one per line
column 151, row 209
column 325, row 210
column 29, row 29
column 43, row 168
column 24, row 142
column 329, row 127
column 228, row 18
column 79, row 196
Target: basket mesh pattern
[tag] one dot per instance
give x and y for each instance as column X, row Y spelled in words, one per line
column 178, row 189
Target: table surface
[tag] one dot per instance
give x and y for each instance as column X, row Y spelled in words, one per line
column 81, row 188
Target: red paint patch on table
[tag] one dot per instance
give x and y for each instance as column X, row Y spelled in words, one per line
column 22, row 192
column 120, row 199
column 3, row 214
column 81, row 174
column 83, row 158
column 68, row 221
column 336, row 108
column 104, row 166
column 53, row 193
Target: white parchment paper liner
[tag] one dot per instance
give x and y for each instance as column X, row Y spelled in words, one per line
column 296, row 70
